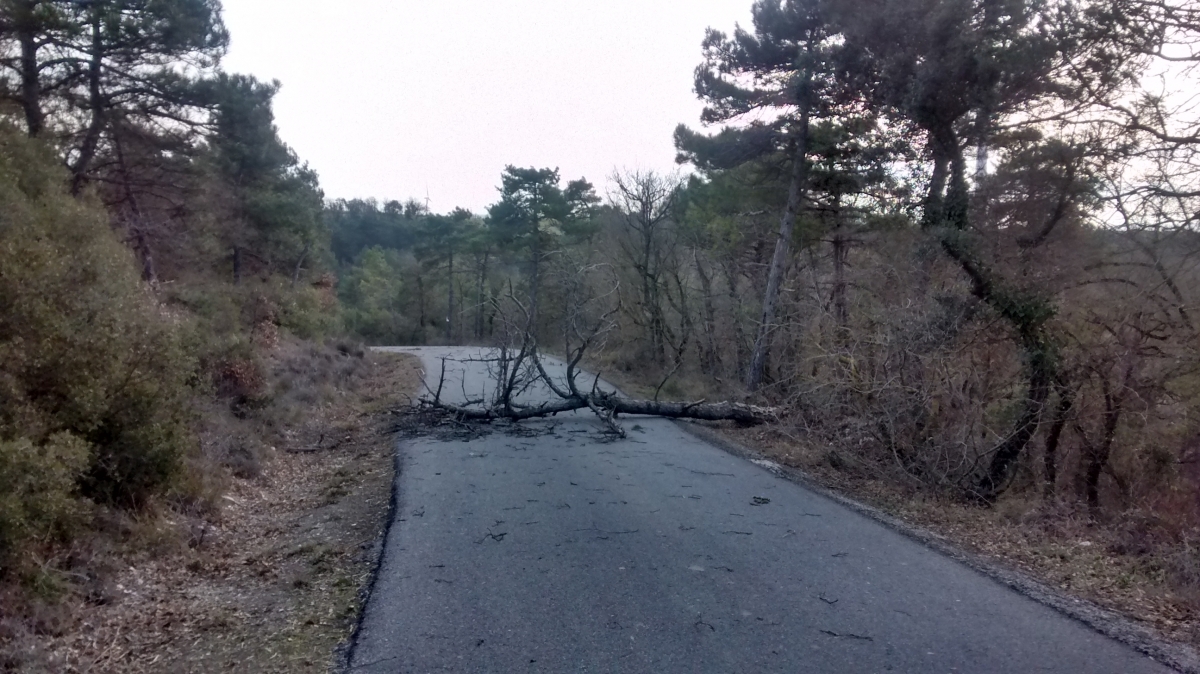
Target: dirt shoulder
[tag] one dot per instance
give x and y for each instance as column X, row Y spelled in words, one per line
column 276, row 582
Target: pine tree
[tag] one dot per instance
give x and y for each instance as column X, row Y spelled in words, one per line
column 783, row 68
column 534, row 213
column 275, row 202
column 951, row 68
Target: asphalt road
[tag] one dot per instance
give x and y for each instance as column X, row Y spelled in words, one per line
column 553, row 549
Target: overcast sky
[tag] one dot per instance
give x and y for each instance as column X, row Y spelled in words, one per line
column 396, row 98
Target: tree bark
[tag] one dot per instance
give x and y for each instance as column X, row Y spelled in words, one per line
column 535, row 260
column 300, row 264
column 783, row 245
column 983, row 124
column 841, row 308
column 483, row 266
column 136, row 219
column 145, row 254
column 1098, row 453
column 722, row 411
column 1005, row 455
column 947, row 216
column 31, row 84
column 421, row 320
column 1062, row 411
column 739, row 330
column 91, row 140
column 710, row 359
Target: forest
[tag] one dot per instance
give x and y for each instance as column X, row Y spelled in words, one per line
column 953, row 243
column 963, row 251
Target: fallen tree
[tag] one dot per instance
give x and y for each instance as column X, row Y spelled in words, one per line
column 606, row 405
column 614, row 405
column 518, row 369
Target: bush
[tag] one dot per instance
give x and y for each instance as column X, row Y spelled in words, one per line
column 84, row 348
column 40, row 484
column 310, row 311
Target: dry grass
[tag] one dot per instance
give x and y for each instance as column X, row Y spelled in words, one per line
column 266, row 579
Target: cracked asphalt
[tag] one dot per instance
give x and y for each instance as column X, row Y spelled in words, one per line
column 555, row 549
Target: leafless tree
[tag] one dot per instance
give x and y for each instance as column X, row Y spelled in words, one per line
column 518, row 367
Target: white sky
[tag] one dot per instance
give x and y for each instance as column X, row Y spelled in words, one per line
column 391, row 98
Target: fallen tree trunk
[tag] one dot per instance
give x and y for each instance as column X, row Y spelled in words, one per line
column 517, row 370
column 703, row 411
column 614, row 405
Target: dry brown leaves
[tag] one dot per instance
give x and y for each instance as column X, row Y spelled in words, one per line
column 274, row 584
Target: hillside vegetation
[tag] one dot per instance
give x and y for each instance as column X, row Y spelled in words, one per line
column 168, row 318
column 951, row 243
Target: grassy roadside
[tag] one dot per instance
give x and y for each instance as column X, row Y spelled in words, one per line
column 1111, row 563
column 272, row 582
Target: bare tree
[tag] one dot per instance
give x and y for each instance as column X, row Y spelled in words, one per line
column 646, row 202
column 519, row 368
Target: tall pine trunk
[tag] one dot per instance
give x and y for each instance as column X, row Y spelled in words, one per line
column 783, row 250
column 783, row 245
column 91, row 139
column 31, row 81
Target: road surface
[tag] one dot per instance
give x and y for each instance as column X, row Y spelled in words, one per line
column 554, row 549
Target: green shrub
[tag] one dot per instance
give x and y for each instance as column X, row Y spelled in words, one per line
column 40, row 485
column 309, row 311
column 84, row 347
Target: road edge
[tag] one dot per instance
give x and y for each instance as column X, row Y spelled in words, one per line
column 344, row 662
column 1109, row 623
